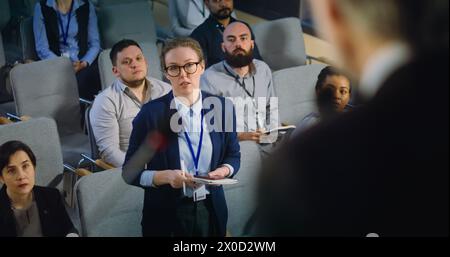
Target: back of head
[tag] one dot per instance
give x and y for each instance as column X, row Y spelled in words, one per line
column 421, row 24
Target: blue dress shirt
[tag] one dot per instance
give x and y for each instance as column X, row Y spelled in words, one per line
column 41, row 40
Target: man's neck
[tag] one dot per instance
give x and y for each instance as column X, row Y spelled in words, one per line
column 139, row 91
column 19, row 201
column 224, row 22
column 242, row 71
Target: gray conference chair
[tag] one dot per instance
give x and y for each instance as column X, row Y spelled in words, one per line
column 48, row 88
column 5, row 13
column 295, row 91
column 41, row 135
column 150, row 51
column 130, row 20
column 281, row 43
column 2, row 52
column 241, row 197
column 27, row 39
column 108, row 206
column 23, row 8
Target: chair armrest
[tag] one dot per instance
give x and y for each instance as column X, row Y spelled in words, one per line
column 99, row 162
column 4, row 120
column 17, row 118
column 104, row 165
column 85, row 102
column 319, row 59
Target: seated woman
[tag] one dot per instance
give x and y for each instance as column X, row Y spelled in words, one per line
column 333, row 92
column 69, row 28
column 25, row 209
column 205, row 143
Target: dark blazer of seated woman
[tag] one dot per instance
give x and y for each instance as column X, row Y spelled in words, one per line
column 27, row 209
column 53, row 217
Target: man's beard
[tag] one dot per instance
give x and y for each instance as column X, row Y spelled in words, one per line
column 133, row 83
column 223, row 14
column 239, row 60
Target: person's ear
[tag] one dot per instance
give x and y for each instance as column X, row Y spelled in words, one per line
column 202, row 65
column 223, row 47
column 115, row 71
column 252, row 44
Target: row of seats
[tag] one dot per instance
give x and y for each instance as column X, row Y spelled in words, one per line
column 280, row 42
column 57, row 99
column 104, row 204
column 48, row 89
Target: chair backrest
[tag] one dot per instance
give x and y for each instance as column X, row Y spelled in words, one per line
column 131, row 20
column 150, row 51
column 41, row 135
column 295, row 91
column 241, row 197
column 108, row 206
column 281, row 43
column 95, row 154
column 5, row 13
column 48, row 88
column 22, row 7
column 2, row 52
column 27, row 39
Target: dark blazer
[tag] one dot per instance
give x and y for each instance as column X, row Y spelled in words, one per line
column 55, row 221
column 160, row 203
column 382, row 168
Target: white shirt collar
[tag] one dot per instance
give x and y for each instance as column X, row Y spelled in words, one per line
column 184, row 109
column 381, row 65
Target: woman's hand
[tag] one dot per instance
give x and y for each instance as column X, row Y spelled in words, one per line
column 175, row 178
column 220, row 173
column 251, row 136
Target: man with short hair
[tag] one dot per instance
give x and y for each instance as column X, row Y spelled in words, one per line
column 381, row 169
column 115, row 107
column 209, row 33
column 242, row 77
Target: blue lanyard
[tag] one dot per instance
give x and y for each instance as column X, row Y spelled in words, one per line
column 65, row 33
column 191, row 149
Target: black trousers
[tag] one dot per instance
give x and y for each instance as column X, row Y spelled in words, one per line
column 88, row 80
column 196, row 219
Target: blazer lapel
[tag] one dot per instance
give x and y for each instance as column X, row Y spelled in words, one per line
column 173, row 151
column 215, row 137
column 7, row 220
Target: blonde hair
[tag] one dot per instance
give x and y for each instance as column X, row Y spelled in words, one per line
column 180, row 42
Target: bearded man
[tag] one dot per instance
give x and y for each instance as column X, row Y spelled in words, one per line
column 242, row 77
column 209, row 33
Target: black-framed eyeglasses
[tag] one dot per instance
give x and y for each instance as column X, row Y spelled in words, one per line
column 189, row 68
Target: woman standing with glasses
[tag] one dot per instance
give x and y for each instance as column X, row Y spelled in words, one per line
column 174, row 205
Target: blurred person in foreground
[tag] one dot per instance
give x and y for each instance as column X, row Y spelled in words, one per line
column 380, row 169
